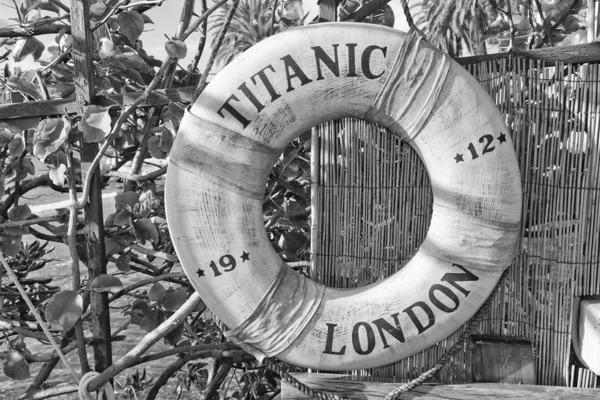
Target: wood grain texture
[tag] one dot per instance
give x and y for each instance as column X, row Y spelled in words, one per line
column 503, row 360
column 94, row 219
column 354, row 388
column 46, row 108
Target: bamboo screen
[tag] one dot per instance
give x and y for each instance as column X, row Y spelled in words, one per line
column 374, row 204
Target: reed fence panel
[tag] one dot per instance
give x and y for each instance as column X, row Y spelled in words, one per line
column 374, row 201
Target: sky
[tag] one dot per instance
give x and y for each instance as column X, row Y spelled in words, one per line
column 166, row 18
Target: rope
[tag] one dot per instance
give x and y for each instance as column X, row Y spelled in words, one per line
column 84, row 393
column 409, row 19
column 472, row 327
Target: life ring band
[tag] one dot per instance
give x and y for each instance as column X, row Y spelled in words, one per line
column 226, row 147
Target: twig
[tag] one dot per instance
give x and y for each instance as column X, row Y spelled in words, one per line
column 45, row 29
column 145, row 282
column 160, row 332
column 217, row 351
column 117, row 128
column 139, row 178
column 200, row 48
column 61, row 5
column 110, row 14
column 37, row 316
column 544, row 23
column 201, row 19
column 31, row 221
column 46, row 393
column 149, row 252
column 42, row 180
column 214, row 385
column 76, row 277
column 166, row 374
column 216, row 48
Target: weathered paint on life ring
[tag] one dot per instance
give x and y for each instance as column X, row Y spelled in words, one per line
column 230, row 139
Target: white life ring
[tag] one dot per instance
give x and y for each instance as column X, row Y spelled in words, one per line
column 229, row 141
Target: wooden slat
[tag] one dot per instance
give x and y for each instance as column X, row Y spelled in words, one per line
column 576, row 54
column 356, row 388
column 45, row 108
column 94, row 219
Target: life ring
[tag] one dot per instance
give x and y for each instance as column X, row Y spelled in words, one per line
column 230, row 139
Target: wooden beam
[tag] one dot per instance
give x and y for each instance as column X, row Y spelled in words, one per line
column 44, row 108
column 576, row 54
column 35, row 30
column 94, row 218
column 350, row 387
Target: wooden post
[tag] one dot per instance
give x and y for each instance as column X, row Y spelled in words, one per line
column 328, row 10
column 94, row 219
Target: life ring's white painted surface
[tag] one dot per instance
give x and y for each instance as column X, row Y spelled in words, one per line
column 230, row 139
column 589, row 334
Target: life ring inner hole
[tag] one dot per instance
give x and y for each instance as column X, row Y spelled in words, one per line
column 373, row 203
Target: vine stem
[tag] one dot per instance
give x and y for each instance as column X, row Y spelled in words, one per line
column 38, row 317
column 161, row 331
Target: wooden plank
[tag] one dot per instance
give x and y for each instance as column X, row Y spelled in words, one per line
column 94, row 218
column 352, row 388
column 45, row 108
column 503, row 360
column 576, row 54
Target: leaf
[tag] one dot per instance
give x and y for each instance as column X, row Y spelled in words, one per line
column 113, row 247
column 26, row 46
column 19, row 213
column 292, row 241
column 123, row 263
column 57, row 175
column 28, row 166
column 152, row 320
column 126, row 200
column 134, row 61
column 50, row 135
column 134, row 76
column 122, row 218
column 176, row 49
column 146, row 230
column 176, row 110
column 18, row 125
column 16, row 145
column 154, row 148
column 173, row 337
column 139, row 307
column 15, row 366
column 107, row 48
column 106, row 283
column 166, row 141
column 98, row 9
column 11, row 245
column 175, row 298
column 95, row 123
column 27, row 5
column 131, row 24
column 157, row 292
column 23, row 86
column 64, row 309
column 147, row 19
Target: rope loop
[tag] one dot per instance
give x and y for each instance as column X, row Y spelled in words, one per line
column 84, row 393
